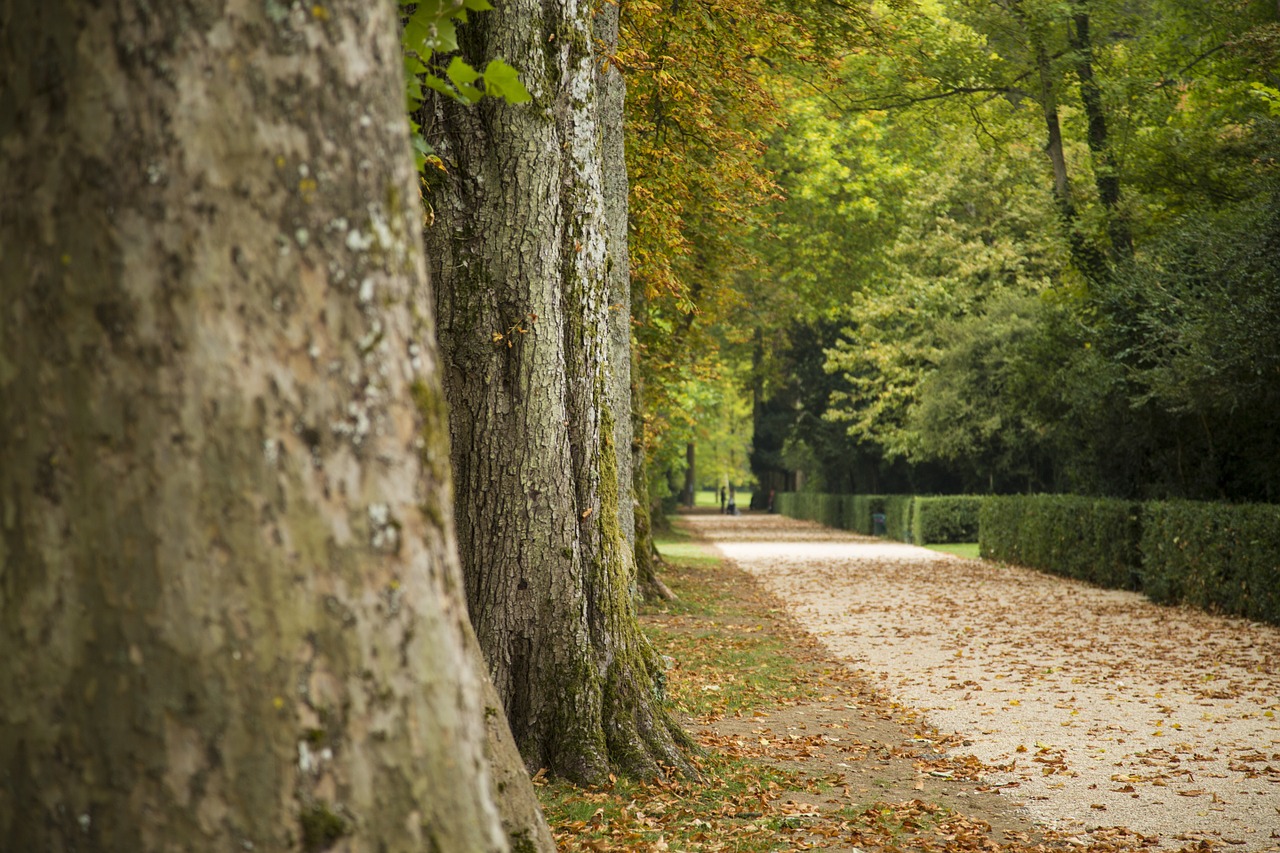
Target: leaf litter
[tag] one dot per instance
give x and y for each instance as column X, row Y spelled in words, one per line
column 799, row 751
column 1086, row 707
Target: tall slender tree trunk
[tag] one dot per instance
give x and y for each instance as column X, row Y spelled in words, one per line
column 1105, row 169
column 230, row 604
column 647, row 559
column 1088, row 260
column 611, row 100
column 690, row 474
column 525, row 255
column 652, row 587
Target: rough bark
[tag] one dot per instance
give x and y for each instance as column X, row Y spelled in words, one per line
column 624, row 391
column 524, row 255
column 647, row 560
column 230, row 602
column 610, row 101
column 645, row 553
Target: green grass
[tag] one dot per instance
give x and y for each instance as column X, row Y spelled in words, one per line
column 734, row 655
column 676, row 547
column 711, row 498
column 968, row 550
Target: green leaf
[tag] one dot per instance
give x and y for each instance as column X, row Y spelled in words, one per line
column 430, row 29
column 413, row 65
column 446, row 36
column 421, row 150
column 501, row 80
column 460, row 72
column 462, row 75
column 442, row 86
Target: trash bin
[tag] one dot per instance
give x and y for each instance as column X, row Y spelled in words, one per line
column 877, row 523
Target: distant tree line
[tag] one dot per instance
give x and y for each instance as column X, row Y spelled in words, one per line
column 1038, row 249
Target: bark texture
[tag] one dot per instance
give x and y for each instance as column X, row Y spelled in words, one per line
column 230, row 605
column 610, row 100
column 531, row 276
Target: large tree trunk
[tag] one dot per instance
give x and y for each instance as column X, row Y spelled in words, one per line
column 625, row 396
column 525, row 254
column 230, row 605
column 611, row 99
column 652, row 588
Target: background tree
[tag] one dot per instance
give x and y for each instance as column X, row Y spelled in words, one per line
column 1160, row 122
column 232, row 611
column 707, row 81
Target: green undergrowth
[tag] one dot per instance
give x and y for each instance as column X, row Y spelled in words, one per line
column 968, row 550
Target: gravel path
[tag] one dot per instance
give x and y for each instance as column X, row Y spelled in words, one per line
column 1101, row 708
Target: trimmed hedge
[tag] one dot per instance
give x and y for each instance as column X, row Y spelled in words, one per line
column 906, row 518
column 1091, row 539
column 849, row 512
column 858, row 512
column 941, row 519
column 897, row 517
column 811, row 506
column 1215, row 556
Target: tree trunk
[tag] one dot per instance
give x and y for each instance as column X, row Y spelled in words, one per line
column 611, row 98
column 1106, row 171
column 652, row 589
column 690, row 474
column 1088, row 260
column 524, row 256
column 229, row 595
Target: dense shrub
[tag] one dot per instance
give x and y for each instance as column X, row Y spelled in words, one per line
column 829, row 510
column 1092, row 539
column 949, row 518
column 1215, row 556
column 1212, row 555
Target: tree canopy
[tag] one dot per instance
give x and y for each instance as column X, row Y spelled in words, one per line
column 1030, row 244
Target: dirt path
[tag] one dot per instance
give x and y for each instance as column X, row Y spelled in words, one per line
column 1100, row 708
